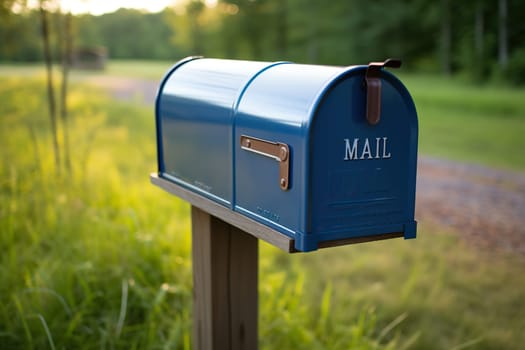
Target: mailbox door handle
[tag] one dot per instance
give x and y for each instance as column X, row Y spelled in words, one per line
column 276, row 150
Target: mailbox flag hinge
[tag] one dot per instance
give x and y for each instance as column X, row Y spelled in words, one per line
column 373, row 88
column 276, row 150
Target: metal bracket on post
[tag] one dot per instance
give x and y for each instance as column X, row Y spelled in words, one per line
column 373, row 88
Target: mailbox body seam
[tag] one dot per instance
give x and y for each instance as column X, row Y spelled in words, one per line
column 235, row 136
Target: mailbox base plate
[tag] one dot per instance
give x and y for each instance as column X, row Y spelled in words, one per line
column 253, row 227
column 345, row 241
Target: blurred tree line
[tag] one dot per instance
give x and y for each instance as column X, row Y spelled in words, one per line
column 479, row 38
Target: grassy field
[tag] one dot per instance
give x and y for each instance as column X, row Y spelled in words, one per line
column 99, row 258
column 124, row 68
column 475, row 124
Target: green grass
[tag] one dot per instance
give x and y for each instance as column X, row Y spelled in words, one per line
column 459, row 121
column 101, row 258
column 25, row 70
column 80, row 251
column 444, row 294
column 152, row 70
column 143, row 69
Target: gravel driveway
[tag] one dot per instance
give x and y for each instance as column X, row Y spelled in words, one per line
column 485, row 206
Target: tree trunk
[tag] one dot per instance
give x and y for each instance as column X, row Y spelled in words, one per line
column 194, row 10
column 50, row 88
column 479, row 30
column 282, row 29
column 477, row 66
column 503, row 54
column 66, row 61
column 446, row 38
column 313, row 34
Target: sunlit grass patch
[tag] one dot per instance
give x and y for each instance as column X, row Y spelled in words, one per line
column 87, row 254
column 141, row 69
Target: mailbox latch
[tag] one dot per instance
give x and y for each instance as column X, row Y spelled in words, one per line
column 373, row 88
column 276, row 150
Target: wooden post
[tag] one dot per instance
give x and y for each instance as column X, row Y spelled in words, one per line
column 225, row 277
column 225, row 271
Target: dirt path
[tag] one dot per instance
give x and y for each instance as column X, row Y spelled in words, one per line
column 126, row 89
column 485, row 206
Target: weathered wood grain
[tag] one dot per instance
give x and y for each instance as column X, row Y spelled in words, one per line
column 225, row 277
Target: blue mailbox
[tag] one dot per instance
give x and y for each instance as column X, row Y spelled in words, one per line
column 324, row 155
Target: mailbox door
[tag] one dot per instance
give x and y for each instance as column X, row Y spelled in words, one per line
column 362, row 176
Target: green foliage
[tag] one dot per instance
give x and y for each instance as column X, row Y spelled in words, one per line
column 6, row 6
column 515, row 72
column 465, row 122
column 128, row 34
column 20, row 37
column 454, row 36
column 83, row 261
column 429, row 293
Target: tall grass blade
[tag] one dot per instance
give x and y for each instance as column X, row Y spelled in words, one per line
column 325, row 307
column 20, row 310
column 123, row 307
column 392, row 325
column 62, row 301
column 468, row 344
column 410, row 341
column 46, row 329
